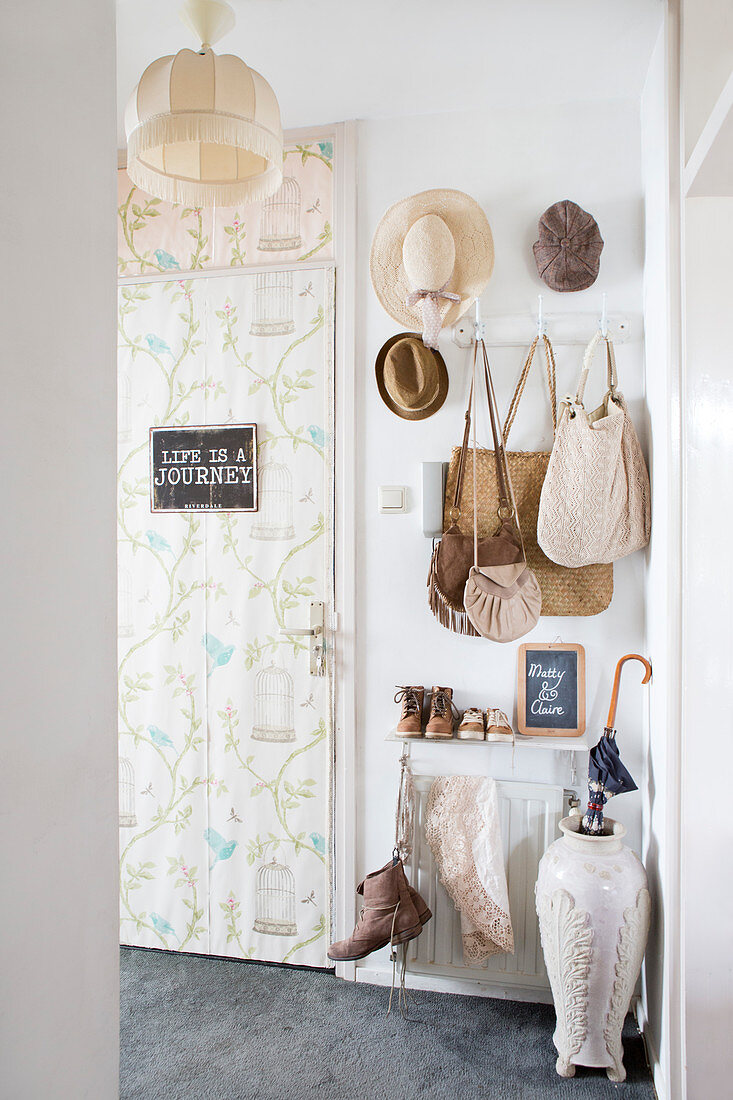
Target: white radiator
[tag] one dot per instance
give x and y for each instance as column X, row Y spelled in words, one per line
column 529, row 816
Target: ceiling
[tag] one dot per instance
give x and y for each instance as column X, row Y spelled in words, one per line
column 330, row 60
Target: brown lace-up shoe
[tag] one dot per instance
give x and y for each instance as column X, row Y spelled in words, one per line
column 497, row 726
column 472, row 725
column 440, row 723
column 388, row 915
column 410, row 723
column 421, row 906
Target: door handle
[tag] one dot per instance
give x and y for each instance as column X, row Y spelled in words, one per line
column 317, row 644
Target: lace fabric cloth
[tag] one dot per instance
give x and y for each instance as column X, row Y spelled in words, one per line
column 462, row 829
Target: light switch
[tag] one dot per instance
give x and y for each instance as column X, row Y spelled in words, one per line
column 392, row 499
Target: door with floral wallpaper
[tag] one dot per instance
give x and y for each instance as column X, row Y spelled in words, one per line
column 225, row 736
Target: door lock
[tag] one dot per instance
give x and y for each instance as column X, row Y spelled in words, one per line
column 317, row 644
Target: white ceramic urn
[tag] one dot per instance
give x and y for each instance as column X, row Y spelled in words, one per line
column 593, row 906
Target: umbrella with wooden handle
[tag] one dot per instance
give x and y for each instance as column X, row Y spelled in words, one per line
column 606, row 773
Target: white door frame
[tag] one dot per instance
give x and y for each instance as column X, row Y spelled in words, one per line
column 344, row 673
column 343, row 868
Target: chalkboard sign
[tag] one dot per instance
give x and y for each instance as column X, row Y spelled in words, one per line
column 207, row 469
column 551, row 690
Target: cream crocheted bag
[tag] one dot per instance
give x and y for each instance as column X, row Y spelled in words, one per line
column 595, row 500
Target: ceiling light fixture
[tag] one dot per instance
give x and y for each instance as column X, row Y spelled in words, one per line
column 204, row 129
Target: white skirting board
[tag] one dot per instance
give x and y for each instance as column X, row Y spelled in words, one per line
column 529, row 816
column 467, row 987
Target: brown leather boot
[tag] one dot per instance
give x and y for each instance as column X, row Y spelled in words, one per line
column 421, row 906
column 410, row 723
column 388, row 915
column 440, row 723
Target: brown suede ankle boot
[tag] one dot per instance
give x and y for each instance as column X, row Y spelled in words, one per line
column 421, row 906
column 410, row 723
column 388, row 915
column 440, row 723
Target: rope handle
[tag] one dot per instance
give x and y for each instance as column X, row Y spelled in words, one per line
column 588, row 354
column 551, row 385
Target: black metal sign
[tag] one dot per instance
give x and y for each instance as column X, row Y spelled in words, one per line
column 207, row 469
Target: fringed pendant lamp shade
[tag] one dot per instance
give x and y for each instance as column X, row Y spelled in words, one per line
column 204, row 129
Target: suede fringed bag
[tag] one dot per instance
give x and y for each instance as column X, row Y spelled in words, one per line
column 595, row 500
column 502, row 597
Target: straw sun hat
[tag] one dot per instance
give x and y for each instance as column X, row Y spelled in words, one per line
column 412, row 379
column 432, row 255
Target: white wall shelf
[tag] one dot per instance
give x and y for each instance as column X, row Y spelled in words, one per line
column 558, row 744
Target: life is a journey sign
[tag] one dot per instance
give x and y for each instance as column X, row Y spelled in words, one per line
column 210, row 468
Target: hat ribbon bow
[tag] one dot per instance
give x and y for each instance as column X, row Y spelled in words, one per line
column 432, row 320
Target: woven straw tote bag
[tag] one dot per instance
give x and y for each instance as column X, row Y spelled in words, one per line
column 595, row 501
column 585, row 591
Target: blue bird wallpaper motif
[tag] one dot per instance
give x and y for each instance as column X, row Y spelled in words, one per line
column 318, row 842
column 219, row 653
column 157, row 542
column 166, row 261
column 162, row 740
column 157, row 346
column 222, row 849
column 230, row 831
column 162, row 926
column 318, row 435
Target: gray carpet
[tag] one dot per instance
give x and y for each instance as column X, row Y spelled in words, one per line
column 216, row 1029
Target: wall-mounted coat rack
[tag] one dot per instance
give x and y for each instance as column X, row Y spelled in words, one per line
column 507, row 330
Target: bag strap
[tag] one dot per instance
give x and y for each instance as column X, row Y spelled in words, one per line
column 551, row 385
column 507, row 509
column 456, row 508
column 588, row 354
column 499, row 453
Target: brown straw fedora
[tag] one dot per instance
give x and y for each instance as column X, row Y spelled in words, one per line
column 468, row 259
column 412, row 379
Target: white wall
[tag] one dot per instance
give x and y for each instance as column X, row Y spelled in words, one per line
column 515, row 163
column 58, row 830
column 707, row 829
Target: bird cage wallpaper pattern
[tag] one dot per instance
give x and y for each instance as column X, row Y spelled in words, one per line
column 274, row 718
column 280, row 219
column 128, row 818
column 272, row 311
column 275, row 901
column 275, row 500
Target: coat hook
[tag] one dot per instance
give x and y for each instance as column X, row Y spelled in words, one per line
column 604, row 319
column 479, row 325
column 540, row 318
